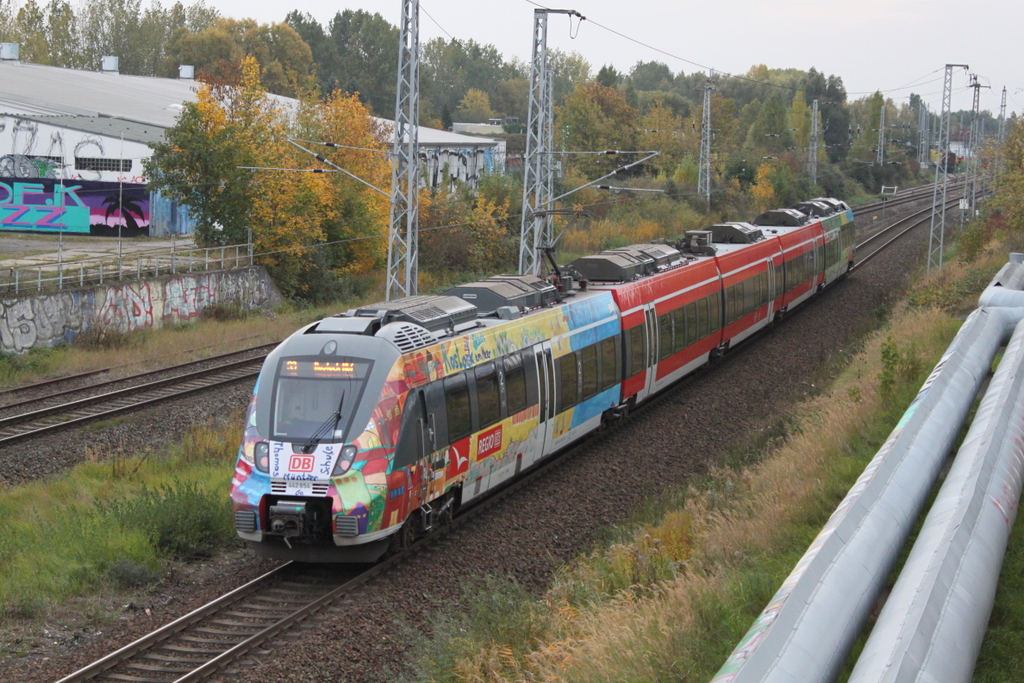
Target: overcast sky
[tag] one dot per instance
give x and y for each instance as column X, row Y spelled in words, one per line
column 897, row 46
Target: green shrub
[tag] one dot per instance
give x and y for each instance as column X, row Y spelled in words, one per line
column 103, row 339
column 224, row 312
column 182, row 520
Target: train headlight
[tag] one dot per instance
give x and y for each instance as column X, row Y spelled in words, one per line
column 348, row 454
column 261, row 452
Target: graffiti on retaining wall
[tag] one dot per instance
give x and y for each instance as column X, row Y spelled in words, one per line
column 127, row 308
column 48, row 319
column 43, row 320
column 186, row 296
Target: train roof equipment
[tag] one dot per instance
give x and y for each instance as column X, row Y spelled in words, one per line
column 837, row 205
column 814, row 208
column 736, row 233
column 499, row 293
column 785, row 218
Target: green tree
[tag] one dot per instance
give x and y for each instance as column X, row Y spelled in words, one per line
column 595, row 118
column 1010, row 195
column 218, row 50
column 62, row 36
column 770, row 131
column 652, row 76
column 30, row 27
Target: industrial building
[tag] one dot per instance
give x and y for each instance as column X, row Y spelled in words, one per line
column 95, row 128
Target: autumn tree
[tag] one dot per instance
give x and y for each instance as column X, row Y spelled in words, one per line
column 475, row 107
column 311, row 230
column 595, row 118
column 218, row 50
column 1010, row 195
column 661, row 130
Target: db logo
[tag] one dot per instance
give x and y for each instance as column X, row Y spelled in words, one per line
column 301, row 463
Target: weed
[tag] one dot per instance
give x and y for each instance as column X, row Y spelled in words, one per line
column 127, row 573
column 181, row 520
column 109, row 339
column 225, row 312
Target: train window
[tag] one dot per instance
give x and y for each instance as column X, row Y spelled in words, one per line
column 691, row 323
column 589, row 369
column 716, row 311
column 750, row 295
column 515, row 384
column 636, row 350
column 488, row 396
column 567, row 377
column 665, row 335
column 529, row 360
column 609, row 363
column 411, row 446
column 703, row 317
column 456, row 404
column 763, row 279
column 679, row 323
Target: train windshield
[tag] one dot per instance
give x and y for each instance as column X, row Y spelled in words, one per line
column 316, row 398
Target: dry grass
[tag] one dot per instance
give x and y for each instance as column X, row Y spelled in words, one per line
column 671, row 599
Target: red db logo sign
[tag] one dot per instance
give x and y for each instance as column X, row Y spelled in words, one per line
column 301, row 463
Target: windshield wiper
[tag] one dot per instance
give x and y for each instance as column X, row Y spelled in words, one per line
column 331, row 423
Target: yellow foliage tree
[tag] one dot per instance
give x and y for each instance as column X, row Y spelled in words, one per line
column 763, row 191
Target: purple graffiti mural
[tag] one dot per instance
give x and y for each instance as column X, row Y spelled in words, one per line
column 79, row 206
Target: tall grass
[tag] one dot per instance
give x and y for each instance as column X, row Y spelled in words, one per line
column 111, row 524
column 669, row 597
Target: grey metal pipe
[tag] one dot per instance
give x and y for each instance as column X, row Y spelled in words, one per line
column 933, row 623
column 806, row 631
column 1006, row 287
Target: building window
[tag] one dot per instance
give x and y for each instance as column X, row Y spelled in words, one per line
column 97, row 164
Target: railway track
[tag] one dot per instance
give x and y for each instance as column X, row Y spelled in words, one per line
column 880, row 240
column 34, row 417
column 213, row 639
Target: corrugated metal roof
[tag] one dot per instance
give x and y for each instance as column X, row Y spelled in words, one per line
column 38, row 89
column 35, row 90
column 105, row 125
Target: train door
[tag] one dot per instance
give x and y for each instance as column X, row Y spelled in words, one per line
column 546, row 379
column 651, row 324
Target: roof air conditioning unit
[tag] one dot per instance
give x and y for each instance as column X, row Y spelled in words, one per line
column 109, row 64
column 699, row 242
column 186, row 72
column 9, row 51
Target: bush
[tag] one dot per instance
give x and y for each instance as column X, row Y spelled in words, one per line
column 182, row 520
column 224, row 312
column 103, row 339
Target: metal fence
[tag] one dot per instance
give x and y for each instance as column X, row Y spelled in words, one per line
column 98, row 270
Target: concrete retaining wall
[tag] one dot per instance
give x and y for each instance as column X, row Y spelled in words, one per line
column 30, row 321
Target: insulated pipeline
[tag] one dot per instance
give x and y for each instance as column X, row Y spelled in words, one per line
column 808, row 628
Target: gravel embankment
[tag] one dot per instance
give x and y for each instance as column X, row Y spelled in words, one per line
column 528, row 535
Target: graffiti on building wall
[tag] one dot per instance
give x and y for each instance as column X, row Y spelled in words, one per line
column 48, row 319
column 47, row 205
column 456, row 165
